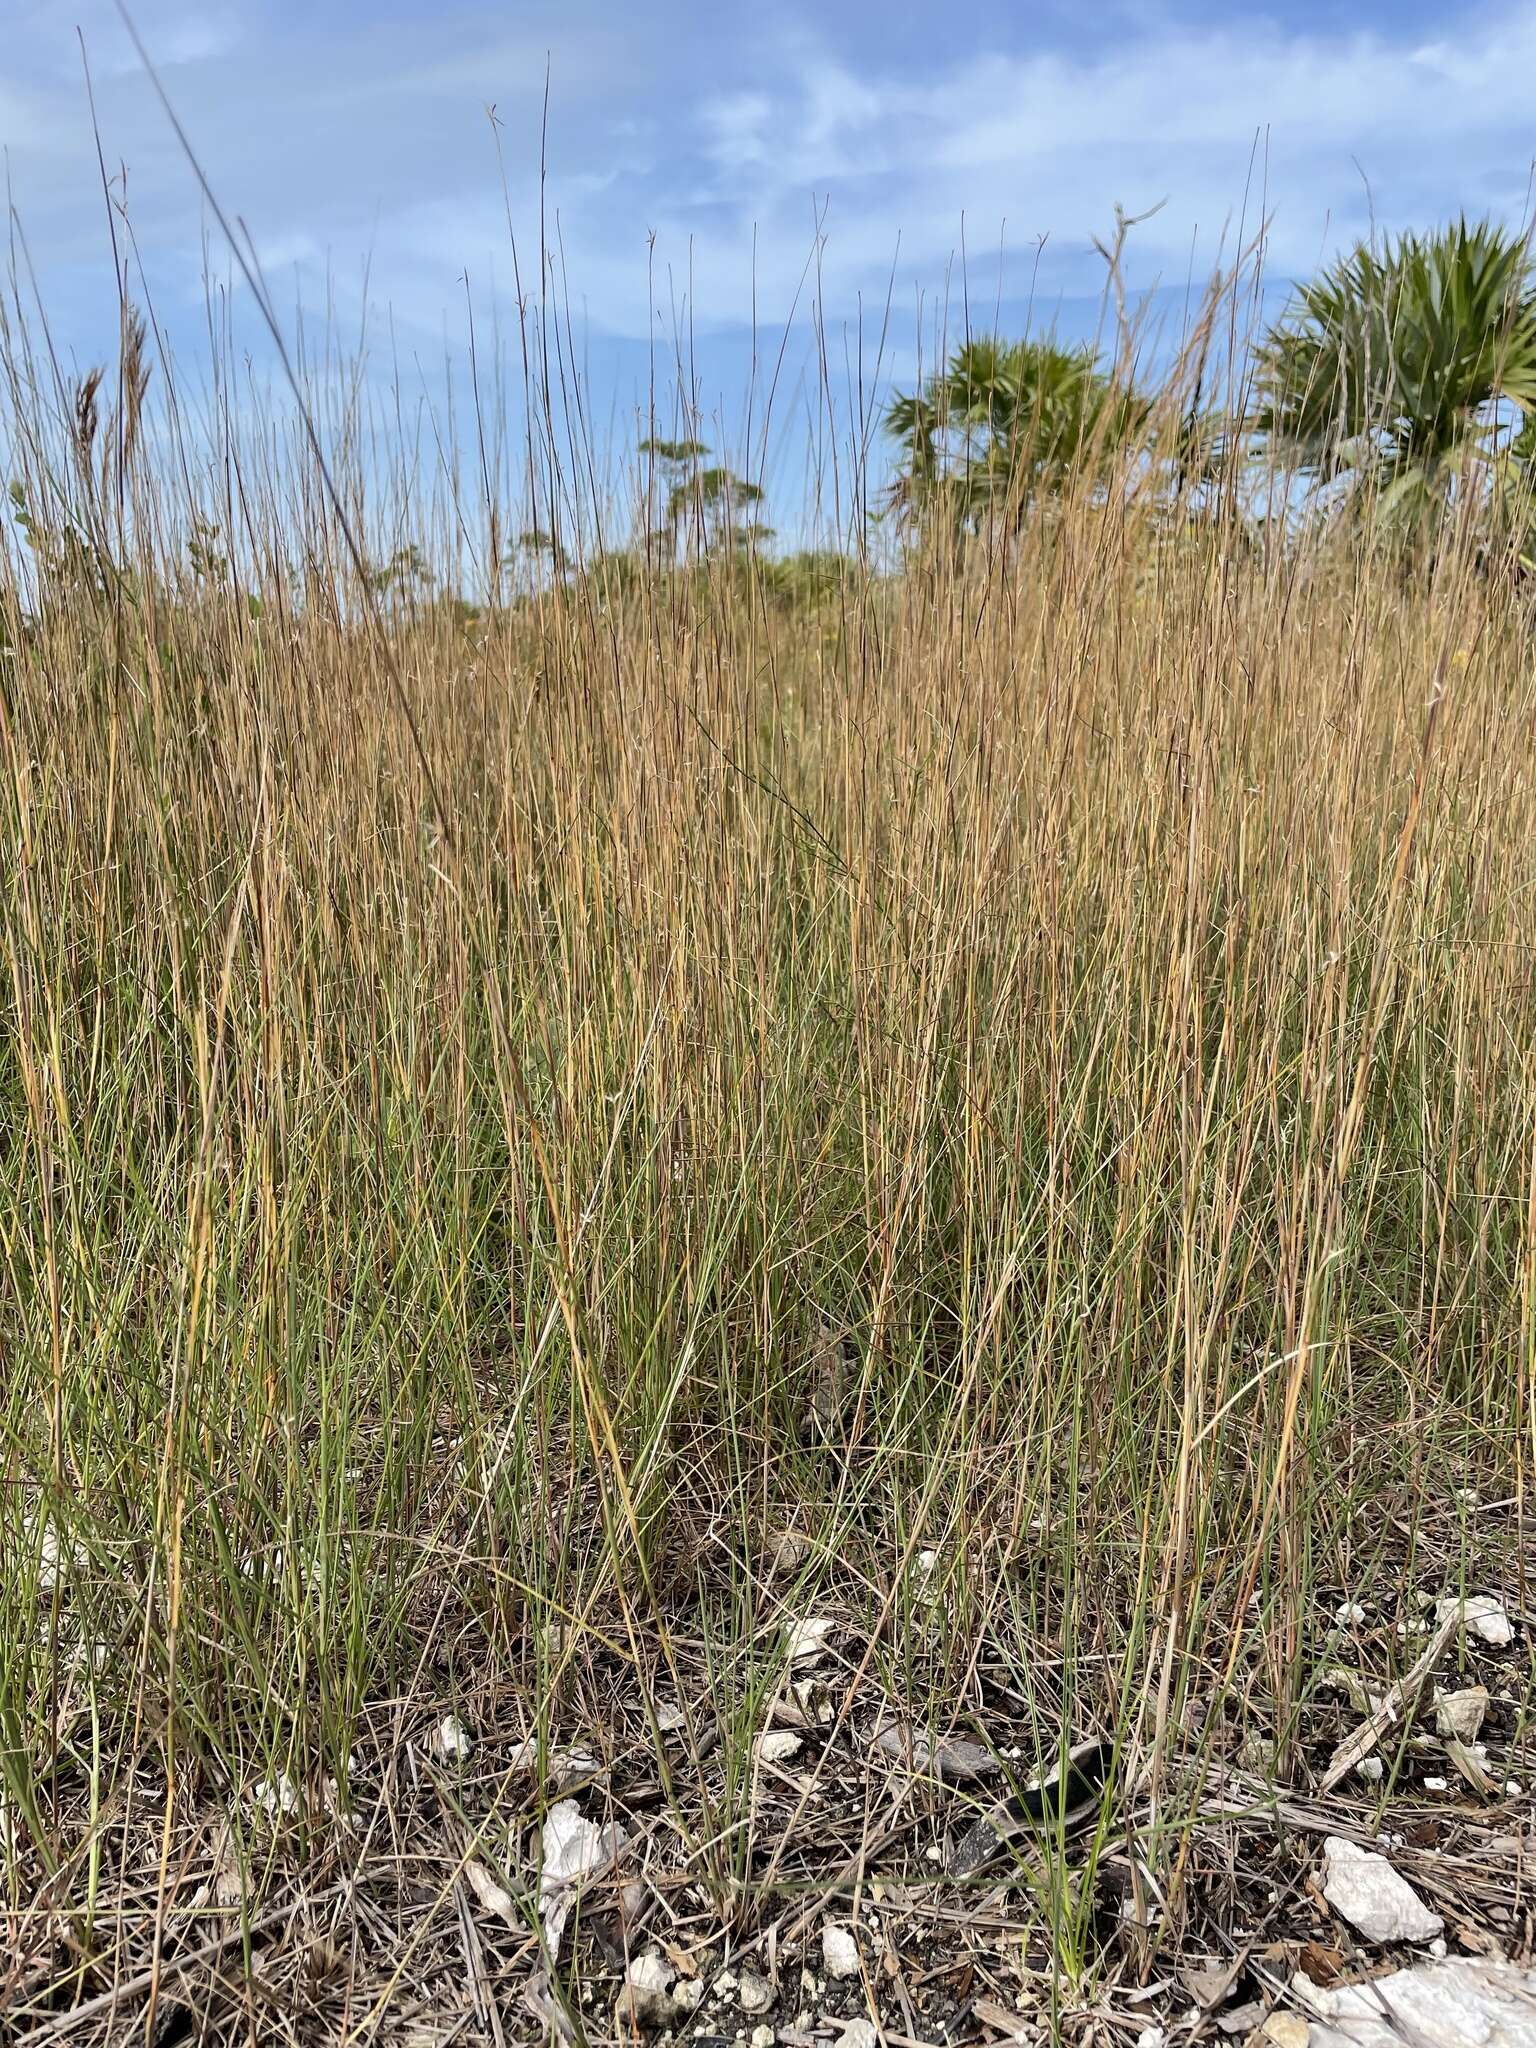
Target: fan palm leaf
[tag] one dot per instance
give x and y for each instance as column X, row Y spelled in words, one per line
column 1001, row 423
column 1391, row 369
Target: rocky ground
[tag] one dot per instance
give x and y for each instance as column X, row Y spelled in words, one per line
column 810, row 1864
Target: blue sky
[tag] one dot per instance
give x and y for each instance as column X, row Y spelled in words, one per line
column 701, row 157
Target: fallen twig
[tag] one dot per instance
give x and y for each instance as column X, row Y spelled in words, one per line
column 1361, row 1744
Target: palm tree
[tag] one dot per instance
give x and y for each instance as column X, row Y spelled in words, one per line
column 1394, row 374
column 1003, row 424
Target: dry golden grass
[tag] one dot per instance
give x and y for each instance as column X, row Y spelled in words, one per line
column 1091, row 980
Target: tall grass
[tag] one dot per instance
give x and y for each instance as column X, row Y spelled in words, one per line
column 1027, row 1058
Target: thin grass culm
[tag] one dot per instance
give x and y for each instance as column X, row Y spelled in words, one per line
column 751, row 1287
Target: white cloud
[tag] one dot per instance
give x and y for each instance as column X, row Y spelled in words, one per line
column 189, row 39
column 292, row 251
column 343, row 142
column 1314, row 129
column 172, row 36
column 736, row 130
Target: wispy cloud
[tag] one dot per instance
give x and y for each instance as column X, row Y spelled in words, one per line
column 701, row 167
column 1316, row 132
column 175, row 39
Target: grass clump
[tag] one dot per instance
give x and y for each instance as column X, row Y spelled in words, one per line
column 544, row 1141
